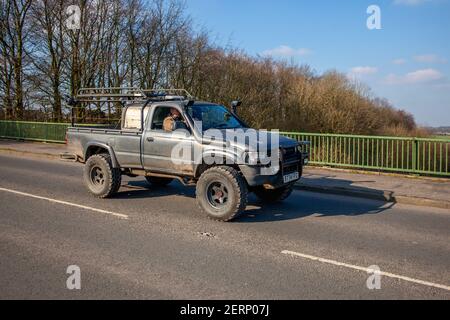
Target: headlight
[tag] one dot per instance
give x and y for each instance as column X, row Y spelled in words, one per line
column 269, row 166
column 271, row 170
column 254, row 158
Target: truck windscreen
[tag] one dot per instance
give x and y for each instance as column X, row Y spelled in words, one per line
column 214, row 117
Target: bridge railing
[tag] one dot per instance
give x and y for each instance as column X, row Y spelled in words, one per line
column 396, row 154
column 37, row 131
column 34, row 131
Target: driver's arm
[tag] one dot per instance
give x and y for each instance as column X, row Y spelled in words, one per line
column 168, row 124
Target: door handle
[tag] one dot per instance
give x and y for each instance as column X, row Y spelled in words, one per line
column 150, row 139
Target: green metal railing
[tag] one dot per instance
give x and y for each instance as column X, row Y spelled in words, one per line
column 37, row 131
column 397, row 154
column 34, row 131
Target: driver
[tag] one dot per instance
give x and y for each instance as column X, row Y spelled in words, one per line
column 170, row 121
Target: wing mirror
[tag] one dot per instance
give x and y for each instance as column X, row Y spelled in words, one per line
column 235, row 105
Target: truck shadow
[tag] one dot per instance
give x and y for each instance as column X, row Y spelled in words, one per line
column 312, row 201
column 137, row 189
column 303, row 204
column 299, row 205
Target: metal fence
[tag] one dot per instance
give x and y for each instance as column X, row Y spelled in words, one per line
column 396, row 154
column 34, row 131
column 37, row 131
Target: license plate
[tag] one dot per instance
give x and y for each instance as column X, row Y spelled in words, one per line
column 290, row 177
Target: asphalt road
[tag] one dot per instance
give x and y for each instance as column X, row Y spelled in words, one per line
column 150, row 243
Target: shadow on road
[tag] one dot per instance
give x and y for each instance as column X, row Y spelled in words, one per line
column 369, row 188
column 299, row 205
column 302, row 204
column 136, row 189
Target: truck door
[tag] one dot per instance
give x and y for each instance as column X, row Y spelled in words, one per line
column 163, row 151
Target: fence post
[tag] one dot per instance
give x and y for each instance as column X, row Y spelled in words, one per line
column 414, row 154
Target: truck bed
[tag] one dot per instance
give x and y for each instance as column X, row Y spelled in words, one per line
column 125, row 143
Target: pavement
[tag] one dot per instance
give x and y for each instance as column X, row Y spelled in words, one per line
column 154, row 243
column 421, row 191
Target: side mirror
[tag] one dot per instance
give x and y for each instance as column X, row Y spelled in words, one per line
column 235, row 105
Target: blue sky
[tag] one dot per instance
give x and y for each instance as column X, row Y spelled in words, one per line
column 407, row 61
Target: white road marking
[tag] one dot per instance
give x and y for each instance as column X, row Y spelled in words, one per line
column 117, row 215
column 367, row 270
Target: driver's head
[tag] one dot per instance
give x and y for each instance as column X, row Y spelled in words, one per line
column 175, row 113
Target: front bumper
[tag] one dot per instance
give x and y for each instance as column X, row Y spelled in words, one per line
column 255, row 175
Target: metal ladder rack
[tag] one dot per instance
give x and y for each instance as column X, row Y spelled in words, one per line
column 123, row 95
column 111, row 94
column 168, row 94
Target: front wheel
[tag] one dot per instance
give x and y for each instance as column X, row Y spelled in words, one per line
column 273, row 195
column 222, row 193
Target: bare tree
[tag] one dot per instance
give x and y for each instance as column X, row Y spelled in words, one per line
column 155, row 44
column 47, row 47
column 13, row 41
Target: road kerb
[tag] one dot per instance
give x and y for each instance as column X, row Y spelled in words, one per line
column 31, row 153
column 386, row 196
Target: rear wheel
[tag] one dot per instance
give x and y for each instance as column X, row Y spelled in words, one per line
column 158, row 181
column 101, row 179
column 273, row 195
column 222, row 193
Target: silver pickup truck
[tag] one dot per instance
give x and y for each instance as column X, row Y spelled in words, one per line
column 208, row 147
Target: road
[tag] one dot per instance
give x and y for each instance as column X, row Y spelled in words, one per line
column 149, row 243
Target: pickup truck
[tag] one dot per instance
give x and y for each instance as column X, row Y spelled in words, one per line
column 223, row 166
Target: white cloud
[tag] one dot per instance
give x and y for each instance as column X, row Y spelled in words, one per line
column 416, row 77
column 430, row 58
column 362, row 71
column 286, row 51
column 410, row 2
column 399, row 61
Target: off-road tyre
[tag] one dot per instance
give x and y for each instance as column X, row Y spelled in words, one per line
column 225, row 184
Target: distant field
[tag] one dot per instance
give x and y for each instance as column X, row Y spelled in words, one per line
column 440, row 136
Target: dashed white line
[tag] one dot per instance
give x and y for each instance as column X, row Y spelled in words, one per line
column 367, row 270
column 115, row 214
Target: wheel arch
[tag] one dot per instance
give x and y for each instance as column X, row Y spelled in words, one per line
column 93, row 148
column 199, row 169
column 228, row 160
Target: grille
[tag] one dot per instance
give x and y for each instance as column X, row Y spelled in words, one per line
column 290, row 169
column 289, row 154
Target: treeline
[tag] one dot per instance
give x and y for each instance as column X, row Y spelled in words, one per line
column 154, row 44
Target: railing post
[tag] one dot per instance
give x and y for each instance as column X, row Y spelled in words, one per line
column 414, row 154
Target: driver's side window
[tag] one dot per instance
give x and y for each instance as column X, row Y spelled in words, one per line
column 158, row 117
column 162, row 113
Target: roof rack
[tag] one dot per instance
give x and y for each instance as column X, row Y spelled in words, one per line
column 111, row 94
column 124, row 94
column 168, row 94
